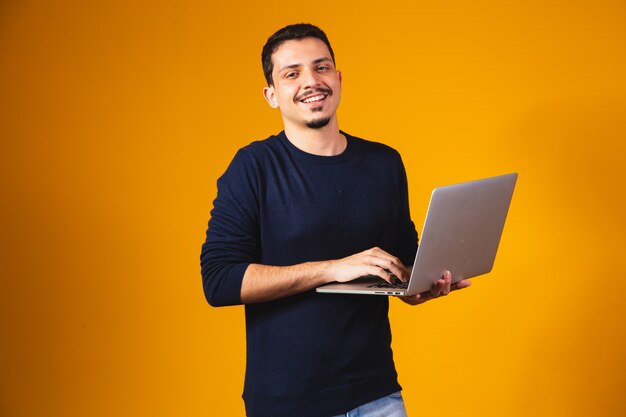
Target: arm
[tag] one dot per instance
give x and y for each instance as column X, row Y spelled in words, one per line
column 265, row 283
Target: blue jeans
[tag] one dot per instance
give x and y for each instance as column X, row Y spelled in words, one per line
column 389, row 406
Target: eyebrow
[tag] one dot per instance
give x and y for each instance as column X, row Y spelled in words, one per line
column 317, row 61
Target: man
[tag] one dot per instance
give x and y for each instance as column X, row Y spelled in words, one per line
column 300, row 209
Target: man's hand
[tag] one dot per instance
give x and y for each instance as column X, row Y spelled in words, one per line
column 373, row 261
column 442, row 287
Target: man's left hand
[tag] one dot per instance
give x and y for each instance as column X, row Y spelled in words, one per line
column 442, row 287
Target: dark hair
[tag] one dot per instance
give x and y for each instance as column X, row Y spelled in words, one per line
column 288, row 33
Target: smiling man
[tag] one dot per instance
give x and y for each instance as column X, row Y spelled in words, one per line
column 305, row 207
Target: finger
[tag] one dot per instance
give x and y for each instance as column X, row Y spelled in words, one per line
column 464, row 283
column 402, row 272
column 447, row 279
column 368, row 264
column 437, row 287
column 398, row 273
column 391, row 264
column 382, row 273
column 372, row 265
column 398, row 269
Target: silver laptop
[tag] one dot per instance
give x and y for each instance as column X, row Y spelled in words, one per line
column 461, row 234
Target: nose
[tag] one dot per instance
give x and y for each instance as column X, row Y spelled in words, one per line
column 310, row 79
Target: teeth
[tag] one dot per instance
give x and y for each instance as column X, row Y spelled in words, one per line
column 312, row 99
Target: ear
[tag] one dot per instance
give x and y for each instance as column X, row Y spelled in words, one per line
column 340, row 78
column 270, row 97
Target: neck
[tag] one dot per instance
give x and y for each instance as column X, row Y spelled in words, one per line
column 325, row 141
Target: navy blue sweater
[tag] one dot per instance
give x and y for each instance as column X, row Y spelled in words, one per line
column 310, row 354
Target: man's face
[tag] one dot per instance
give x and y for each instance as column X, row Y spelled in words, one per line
column 307, row 87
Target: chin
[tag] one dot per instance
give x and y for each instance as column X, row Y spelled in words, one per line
column 318, row 123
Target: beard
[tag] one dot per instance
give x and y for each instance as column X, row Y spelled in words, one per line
column 317, row 123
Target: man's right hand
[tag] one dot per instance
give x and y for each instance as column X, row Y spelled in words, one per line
column 374, row 261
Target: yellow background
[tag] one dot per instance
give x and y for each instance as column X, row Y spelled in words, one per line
column 118, row 117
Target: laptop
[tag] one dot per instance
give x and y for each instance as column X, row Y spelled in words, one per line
column 461, row 234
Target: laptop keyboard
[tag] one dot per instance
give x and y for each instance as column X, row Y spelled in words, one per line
column 384, row 284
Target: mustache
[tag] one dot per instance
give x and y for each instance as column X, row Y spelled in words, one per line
column 305, row 93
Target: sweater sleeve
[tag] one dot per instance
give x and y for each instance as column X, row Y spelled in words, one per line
column 407, row 238
column 231, row 243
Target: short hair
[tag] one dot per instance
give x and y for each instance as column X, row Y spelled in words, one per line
column 288, row 33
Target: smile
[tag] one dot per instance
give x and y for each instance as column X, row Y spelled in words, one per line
column 314, row 98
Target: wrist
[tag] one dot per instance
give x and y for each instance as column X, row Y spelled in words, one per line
column 322, row 272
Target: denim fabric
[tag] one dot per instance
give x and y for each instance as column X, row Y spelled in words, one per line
column 389, row 406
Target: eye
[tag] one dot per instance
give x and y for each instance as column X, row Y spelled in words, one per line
column 291, row 74
column 322, row 68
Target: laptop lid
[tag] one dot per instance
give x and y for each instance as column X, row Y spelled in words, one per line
column 462, row 230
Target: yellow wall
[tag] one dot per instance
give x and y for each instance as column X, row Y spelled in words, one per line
column 118, row 117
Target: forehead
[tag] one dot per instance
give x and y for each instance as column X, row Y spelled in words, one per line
column 299, row 52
